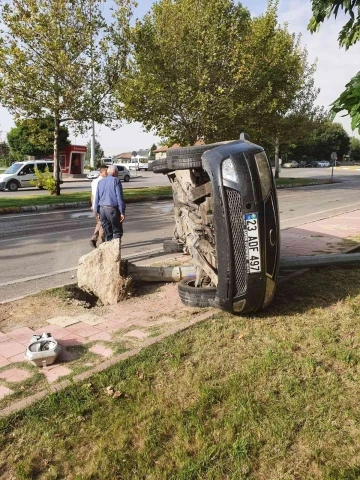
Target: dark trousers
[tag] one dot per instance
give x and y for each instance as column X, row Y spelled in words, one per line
column 110, row 221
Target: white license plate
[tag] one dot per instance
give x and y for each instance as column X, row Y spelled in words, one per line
column 253, row 243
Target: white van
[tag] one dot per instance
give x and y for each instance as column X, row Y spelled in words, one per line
column 107, row 161
column 20, row 174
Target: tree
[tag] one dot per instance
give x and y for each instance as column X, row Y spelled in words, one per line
column 349, row 100
column 62, row 59
column 182, row 74
column 328, row 137
column 355, row 149
column 205, row 69
column 282, row 109
column 4, row 154
column 99, row 152
column 151, row 152
column 35, row 137
column 321, row 9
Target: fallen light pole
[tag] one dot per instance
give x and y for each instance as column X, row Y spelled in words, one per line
column 175, row 274
column 158, row 274
column 314, row 261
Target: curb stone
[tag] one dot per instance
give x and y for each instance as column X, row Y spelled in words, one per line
column 310, row 184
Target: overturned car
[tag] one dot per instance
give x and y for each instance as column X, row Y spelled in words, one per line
column 226, row 216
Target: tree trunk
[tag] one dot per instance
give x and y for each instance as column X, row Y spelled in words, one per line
column 277, row 164
column 56, row 155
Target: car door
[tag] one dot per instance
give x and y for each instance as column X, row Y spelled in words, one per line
column 121, row 171
column 26, row 174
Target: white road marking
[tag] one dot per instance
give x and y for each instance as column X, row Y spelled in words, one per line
column 25, row 215
column 323, row 211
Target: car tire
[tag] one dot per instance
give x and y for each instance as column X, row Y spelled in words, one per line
column 187, row 157
column 12, row 186
column 160, row 166
column 126, row 178
column 172, row 246
column 195, row 296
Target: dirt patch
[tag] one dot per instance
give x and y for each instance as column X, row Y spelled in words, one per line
column 35, row 310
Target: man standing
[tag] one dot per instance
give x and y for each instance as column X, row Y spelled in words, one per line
column 109, row 202
column 98, row 232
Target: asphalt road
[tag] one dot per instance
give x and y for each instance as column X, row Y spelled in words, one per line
column 142, row 179
column 150, row 179
column 49, row 243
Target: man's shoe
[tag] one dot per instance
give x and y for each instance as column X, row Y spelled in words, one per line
column 93, row 243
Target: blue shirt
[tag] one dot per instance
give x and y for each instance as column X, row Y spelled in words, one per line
column 109, row 192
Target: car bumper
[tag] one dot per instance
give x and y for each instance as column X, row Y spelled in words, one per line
column 2, row 186
column 239, row 289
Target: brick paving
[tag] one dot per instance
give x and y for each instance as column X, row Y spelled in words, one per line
column 15, row 375
column 4, row 391
column 132, row 319
column 101, row 350
column 52, row 374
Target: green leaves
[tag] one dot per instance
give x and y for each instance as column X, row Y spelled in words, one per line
column 35, row 137
column 99, row 152
column 325, row 138
column 349, row 101
column 350, row 33
column 206, row 69
column 355, row 149
column 63, row 58
column 181, row 79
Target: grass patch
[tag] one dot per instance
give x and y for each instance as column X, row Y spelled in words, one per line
column 47, row 199
column 270, row 396
column 300, row 182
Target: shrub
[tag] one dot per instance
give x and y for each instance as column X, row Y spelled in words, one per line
column 44, row 180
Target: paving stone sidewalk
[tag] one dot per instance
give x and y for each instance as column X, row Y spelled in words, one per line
column 140, row 320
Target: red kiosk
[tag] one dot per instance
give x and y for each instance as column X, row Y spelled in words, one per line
column 72, row 159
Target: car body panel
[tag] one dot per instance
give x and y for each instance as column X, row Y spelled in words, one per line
column 291, row 164
column 323, row 163
column 122, row 171
column 237, row 288
column 93, row 174
column 24, row 173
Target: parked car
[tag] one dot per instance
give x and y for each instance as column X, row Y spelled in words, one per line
column 337, row 164
column 323, row 163
column 291, row 164
column 93, row 174
column 226, row 216
column 124, row 173
column 311, row 164
column 302, row 164
column 20, row 174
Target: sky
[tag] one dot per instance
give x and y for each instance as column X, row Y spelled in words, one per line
column 335, row 67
